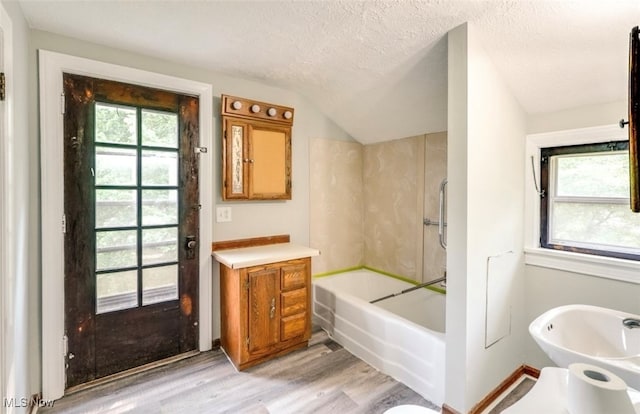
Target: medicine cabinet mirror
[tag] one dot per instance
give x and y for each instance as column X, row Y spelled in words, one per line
column 256, row 150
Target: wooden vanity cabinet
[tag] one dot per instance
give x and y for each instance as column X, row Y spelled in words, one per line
column 265, row 310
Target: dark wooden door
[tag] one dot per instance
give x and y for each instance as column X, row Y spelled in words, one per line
column 131, row 212
column 264, row 308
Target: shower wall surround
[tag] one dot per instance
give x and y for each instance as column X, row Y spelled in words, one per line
column 393, row 203
column 368, row 202
column 336, row 203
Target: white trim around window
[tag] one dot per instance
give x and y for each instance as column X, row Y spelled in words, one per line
column 52, row 66
column 599, row 266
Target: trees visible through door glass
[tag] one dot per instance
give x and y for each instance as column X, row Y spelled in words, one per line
column 116, row 249
column 159, row 207
column 136, row 187
column 116, row 124
column 116, row 166
column 159, row 245
column 159, row 129
column 159, row 168
column 116, row 208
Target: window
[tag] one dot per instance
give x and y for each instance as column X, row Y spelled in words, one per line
column 585, row 202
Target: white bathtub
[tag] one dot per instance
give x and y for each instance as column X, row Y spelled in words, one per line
column 402, row 336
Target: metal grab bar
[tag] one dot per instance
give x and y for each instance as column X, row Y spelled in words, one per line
column 441, row 212
column 411, row 289
column 429, row 222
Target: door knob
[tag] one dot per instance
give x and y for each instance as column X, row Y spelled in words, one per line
column 190, row 245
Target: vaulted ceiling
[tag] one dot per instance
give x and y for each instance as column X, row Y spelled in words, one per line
column 377, row 68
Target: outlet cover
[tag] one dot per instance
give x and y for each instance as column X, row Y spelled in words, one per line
column 223, row 214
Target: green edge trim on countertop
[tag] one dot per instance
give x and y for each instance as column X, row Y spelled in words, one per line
column 382, row 272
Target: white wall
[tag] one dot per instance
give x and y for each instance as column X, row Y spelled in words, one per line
column 20, row 316
column 456, row 313
column 582, row 117
column 485, row 218
column 250, row 219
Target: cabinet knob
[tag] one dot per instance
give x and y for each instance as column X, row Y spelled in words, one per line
column 272, row 311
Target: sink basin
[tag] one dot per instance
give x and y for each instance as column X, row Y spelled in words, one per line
column 590, row 334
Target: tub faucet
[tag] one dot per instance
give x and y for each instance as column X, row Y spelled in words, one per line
column 631, row 323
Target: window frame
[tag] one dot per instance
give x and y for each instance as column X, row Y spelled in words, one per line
column 548, row 182
column 577, row 263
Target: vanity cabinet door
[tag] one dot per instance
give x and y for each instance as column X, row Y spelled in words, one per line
column 264, row 308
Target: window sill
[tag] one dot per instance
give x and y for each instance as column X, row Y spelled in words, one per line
column 598, row 266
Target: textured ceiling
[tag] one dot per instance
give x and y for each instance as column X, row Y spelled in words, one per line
column 377, row 68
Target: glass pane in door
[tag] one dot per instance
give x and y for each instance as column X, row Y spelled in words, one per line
column 159, row 129
column 116, row 124
column 159, row 168
column 116, row 208
column 116, row 291
column 159, row 284
column 159, row 245
column 116, row 249
column 116, row 166
column 159, row 207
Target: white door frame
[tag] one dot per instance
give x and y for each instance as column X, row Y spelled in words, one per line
column 6, row 197
column 52, row 65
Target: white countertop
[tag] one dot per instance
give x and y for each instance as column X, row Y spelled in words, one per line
column 259, row 255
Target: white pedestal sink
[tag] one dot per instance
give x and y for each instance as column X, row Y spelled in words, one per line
column 593, row 335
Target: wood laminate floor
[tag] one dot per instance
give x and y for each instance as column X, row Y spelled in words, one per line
column 512, row 397
column 323, row 378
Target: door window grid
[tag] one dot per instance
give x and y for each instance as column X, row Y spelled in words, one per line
column 113, row 293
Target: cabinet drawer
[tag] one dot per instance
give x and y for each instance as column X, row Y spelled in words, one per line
column 294, row 301
column 294, row 276
column 293, row 326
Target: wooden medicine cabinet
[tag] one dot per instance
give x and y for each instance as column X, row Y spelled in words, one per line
column 256, row 150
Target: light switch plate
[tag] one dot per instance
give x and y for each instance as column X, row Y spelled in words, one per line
column 223, row 214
